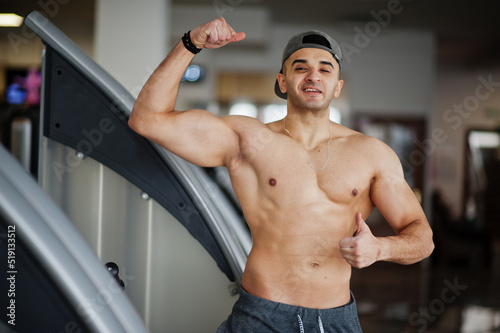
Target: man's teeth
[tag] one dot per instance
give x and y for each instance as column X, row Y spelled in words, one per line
column 315, row 90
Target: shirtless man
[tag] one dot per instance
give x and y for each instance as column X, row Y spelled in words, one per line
column 304, row 184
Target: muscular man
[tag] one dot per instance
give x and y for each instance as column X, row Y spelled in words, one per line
column 304, row 184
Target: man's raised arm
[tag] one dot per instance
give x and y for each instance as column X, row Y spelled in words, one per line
column 195, row 135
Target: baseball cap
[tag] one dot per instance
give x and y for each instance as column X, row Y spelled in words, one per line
column 309, row 39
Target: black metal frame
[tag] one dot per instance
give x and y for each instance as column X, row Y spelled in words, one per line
column 78, row 111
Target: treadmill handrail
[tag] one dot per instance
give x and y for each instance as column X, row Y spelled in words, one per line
column 62, row 251
column 234, row 251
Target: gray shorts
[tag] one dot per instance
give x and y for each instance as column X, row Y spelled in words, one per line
column 254, row 314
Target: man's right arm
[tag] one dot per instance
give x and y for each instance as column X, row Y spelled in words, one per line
column 195, row 135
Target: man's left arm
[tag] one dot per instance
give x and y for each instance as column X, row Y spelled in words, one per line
column 396, row 201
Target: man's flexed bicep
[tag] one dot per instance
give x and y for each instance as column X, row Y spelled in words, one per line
column 196, row 135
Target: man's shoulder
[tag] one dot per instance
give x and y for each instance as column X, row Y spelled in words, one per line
column 251, row 128
column 354, row 139
column 381, row 156
column 370, row 148
column 237, row 121
column 363, row 142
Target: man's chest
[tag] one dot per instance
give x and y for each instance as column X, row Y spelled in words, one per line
column 283, row 172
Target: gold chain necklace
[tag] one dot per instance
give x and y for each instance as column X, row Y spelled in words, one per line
column 304, row 152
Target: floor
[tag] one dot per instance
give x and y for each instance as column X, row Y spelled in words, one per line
column 428, row 297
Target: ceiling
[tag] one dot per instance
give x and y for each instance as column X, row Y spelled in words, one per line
column 467, row 32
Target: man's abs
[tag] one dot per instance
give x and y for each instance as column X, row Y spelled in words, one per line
column 309, row 281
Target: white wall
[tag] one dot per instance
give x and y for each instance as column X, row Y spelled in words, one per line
column 131, row 38
column 394, row 74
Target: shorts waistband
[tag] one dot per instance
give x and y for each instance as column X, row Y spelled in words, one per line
column 346, row 311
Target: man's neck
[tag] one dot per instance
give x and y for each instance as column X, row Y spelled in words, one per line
column 309, row 128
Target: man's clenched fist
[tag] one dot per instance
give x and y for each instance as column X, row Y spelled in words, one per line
column 215, row 34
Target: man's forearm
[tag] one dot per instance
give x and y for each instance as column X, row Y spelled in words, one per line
column 159, row 94
column 195, row 135
column 413, row 244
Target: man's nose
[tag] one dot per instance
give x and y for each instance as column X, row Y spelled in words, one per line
column 313, row 76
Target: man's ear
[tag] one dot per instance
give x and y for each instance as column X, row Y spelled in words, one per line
column 338, row 88
column 281, row 82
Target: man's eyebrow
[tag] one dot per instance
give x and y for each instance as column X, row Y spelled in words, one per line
column 301, row 61
column 327, row 63
column 304, row 61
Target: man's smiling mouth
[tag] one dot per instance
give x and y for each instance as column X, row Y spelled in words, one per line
column 312, row 90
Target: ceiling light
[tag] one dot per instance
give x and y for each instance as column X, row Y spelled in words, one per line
column 10, row 20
